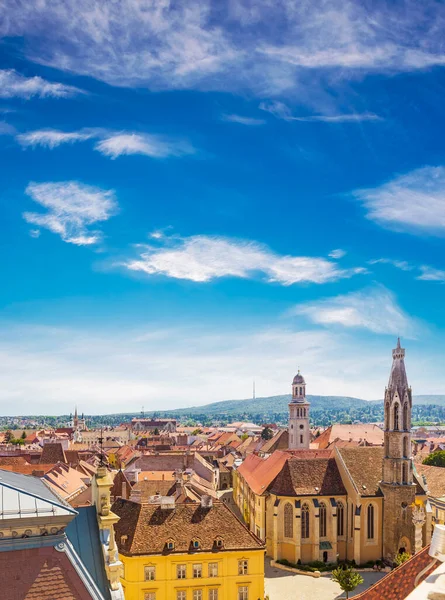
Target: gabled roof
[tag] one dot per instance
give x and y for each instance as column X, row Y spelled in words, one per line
column 259, row 473
column 53, row 453
column 280, row 441
column 145, row 528
column 435, row 479
column 400, row 582
column 310, row 476
column 47, row 573
column 23, row 495
column 364, row 466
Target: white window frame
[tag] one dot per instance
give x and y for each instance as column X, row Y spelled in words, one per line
column 149, row 595
column 197, row 594
column 243, row 592
column 243, row 567
column 181, row 570
column 181, row 595
column 213, row 594
column 149, row 573
column 197, row 571
column 213, row 569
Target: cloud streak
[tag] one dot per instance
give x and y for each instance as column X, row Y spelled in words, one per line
column 205, row 258
column 111, row 144
column 232, row 118
column 72, row 207
column 15, row 85
column 281, row 111
column 374, row 309
column 414, row 202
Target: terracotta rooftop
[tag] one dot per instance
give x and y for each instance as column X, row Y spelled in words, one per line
column 52, row 453
column 148, row 527
column 359, row 432
column 435, row 479
column 40, row 574
column 117, row 490
column 311, row 476
column 365, row 468
column 259, row 473
column 280, row 441
column 399, row 583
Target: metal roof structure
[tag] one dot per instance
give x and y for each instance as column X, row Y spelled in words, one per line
column 24, row 495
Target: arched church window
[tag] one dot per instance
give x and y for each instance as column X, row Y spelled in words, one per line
column 322, row 519
column 405, row 417
column 288, row 520
column 352, row 520
column 396, row 417
column 305, row 521
column 405, row 446
column 370, row 525
column 340, row 519
column 387, row 416
column 404, row 473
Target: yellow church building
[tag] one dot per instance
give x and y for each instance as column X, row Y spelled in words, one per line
column 355, row 503
column 187, row 551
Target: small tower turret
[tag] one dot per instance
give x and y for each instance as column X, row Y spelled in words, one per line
column 299, row 434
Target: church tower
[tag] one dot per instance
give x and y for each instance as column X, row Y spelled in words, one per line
column 397, row 484
column 299, row 434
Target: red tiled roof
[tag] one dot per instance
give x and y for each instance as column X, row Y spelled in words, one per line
column 53, row 453
column 259, row 473
column 399, row 583
column 40, row 574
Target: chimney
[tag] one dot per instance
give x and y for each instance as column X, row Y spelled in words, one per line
column 136, row 495
column 206, row 501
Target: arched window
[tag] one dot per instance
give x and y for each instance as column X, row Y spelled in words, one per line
column 387, row 416
column 405, row 446
column 386, row 446
column 405, row 417
column 370, row 529
column 404, row 473
column 305, row 521
column 396, row 417
column 322, row 519
column 340, row 519
column 288, row 520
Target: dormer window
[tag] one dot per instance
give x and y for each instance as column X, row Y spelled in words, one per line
column 170, row 544
column 219, row 542
column 195, row 544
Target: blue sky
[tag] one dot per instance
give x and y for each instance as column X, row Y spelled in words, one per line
column 195, row 196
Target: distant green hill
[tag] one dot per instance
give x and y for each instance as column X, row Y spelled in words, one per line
column 278, row 404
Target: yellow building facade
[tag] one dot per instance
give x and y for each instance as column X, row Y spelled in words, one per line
column 198, row 576
column 187, row 551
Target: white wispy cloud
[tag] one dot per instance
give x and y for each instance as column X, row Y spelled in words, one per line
column 195, row 45
column 51, row 138
column 428, row 273
column 71, row 208
column 338, row 253
column 403, row 265
column 149, row 145
column 204, row 258
column 414, row 202
column 281, row 111
column 375, row 309
column 111, row 143
column 15, row 85
column 233, row 118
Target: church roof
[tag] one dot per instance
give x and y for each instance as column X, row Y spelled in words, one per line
column 309, row 477
column 299, row 379
column 435, row 479
column 364, row 465
column 398, row 380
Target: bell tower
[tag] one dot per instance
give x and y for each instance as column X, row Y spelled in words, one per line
column 299, row 434
column 397, row 484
